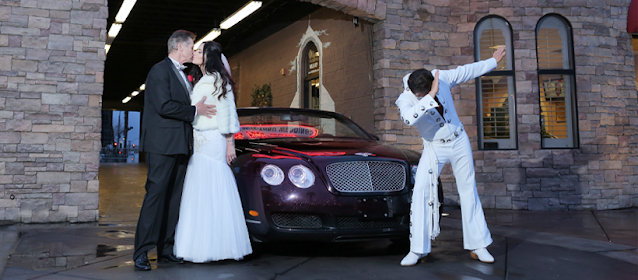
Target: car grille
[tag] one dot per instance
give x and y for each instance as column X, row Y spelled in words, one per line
column 354, row 222
column 367, row 176
column 288, row 220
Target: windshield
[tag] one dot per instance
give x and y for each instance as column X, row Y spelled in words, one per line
column 264, row 124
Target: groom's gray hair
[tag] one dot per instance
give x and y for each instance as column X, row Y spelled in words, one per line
column 179, row 37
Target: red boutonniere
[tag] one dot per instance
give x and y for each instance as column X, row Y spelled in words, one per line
column 190, row 78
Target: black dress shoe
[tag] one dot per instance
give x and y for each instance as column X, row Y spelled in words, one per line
column 171, row 259
column 142, row 263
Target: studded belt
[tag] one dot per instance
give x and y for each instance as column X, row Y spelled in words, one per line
column 454, row 135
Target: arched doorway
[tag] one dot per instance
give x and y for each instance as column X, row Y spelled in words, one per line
column 311, row 77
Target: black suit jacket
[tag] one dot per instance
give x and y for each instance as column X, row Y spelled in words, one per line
column 168, row 114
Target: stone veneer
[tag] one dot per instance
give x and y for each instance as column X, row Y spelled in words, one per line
column 51, row 76
column 601, row 174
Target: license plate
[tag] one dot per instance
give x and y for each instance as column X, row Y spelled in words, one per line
column 372, row 208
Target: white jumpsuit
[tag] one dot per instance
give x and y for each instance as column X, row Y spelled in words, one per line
column 444, row 140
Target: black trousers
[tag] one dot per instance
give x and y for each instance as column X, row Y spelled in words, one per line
column 160, row 209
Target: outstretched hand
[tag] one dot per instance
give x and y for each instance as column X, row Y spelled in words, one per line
column 499, row 53
column 204, row 109
column 435, row 85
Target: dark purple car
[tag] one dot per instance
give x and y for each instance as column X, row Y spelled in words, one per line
column 315, row 175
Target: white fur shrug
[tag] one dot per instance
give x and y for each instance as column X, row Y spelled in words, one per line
column 226, row 120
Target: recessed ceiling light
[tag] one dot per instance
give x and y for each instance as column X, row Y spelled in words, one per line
column 125, row 9
column 115, row 29
column 240, row 14
column 209, row 37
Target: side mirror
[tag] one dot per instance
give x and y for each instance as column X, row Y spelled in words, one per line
column 376, row 137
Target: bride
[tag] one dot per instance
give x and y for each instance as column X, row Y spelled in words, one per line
column 211, row 222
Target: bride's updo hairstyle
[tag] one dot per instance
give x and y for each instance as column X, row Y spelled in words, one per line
column 212, row 55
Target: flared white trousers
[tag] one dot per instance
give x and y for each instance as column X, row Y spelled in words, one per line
column 458, row 152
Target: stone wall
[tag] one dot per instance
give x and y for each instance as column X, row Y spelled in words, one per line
column 51, row 76
column 600, row 174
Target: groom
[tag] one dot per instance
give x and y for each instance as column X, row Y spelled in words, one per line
column 167, row 139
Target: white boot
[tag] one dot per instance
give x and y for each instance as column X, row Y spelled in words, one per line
column 483, row 255
column 412, row 258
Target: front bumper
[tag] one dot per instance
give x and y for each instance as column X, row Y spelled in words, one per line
column 330, row 218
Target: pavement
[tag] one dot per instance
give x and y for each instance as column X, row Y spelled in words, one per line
column 527, row 245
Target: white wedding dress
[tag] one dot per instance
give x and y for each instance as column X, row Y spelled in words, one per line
column 211, row 223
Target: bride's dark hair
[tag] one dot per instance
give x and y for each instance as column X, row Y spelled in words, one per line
column 212, row 56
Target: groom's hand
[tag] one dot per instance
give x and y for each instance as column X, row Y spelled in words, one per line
column 205, row 110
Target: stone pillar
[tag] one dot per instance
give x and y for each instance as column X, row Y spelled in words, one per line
column 51, row 79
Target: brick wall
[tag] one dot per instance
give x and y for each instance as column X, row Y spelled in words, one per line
column 51, row 76
column 601, row 174
column 347, row 64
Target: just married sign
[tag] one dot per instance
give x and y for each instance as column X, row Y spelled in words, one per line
column 275, row 131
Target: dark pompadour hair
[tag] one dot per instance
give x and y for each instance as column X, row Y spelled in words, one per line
column 420, row 81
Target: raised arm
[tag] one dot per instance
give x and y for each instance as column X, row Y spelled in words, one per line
column 474, row 70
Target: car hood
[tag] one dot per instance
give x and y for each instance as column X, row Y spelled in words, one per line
column 307, row 149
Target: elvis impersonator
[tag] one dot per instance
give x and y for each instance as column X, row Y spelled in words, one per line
column 427, row 104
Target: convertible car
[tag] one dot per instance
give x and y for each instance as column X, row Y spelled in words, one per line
column 317, row 176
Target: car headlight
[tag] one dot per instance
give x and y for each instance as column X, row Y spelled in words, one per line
column 301, row 176
column 414, row 168
column 272, row 174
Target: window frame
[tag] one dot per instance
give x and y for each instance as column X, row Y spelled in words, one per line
column 509, row 74
column 306, row 94
column 571, row 72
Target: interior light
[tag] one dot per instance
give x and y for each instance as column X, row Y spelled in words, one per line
column 209, row 37
column 240, row 14
column 107, row 47
column 115, row 28
column 127, row 99
column 135, row 93
column 125, row 9
column 143, row 87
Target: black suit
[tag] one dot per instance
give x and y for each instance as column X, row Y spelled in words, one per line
column 167, row 139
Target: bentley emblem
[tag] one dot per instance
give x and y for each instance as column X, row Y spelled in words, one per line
column 364, row 154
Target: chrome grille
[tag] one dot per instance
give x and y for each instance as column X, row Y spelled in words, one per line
column 367, row 176
column 289, row 220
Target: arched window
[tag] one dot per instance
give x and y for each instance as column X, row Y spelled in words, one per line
column 557, row 88
column 495, row 91
column 311, row 77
